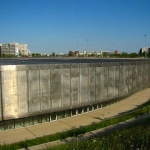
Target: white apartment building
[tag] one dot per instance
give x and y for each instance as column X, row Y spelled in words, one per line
column 96, row 53
column 14, row 49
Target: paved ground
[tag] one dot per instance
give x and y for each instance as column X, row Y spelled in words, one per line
column 129, row 103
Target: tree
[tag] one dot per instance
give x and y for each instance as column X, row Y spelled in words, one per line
column 70, row 53
column 53, row 54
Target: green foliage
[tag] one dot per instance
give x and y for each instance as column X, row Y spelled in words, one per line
column 36, row 54
column 133, row 137
column 53, row 54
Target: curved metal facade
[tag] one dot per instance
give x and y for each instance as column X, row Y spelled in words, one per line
column 33, row 89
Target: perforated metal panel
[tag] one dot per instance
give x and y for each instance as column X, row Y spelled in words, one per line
column 116, row 78
column 98, row 84
column 121, row 80
column 65, row 81
column 130, row 79
column 75, row 84
column 111, row 82
column 134, row 76
column 84, row 83
column 22, row 91
column 126, row 76
column 0, row 99
column 56, row 87
column 45, row 88
column 34, row 89
column 92, row 83
column 140, row 75
column 105, row 79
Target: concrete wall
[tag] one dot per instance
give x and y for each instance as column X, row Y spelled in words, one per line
column 28, row 90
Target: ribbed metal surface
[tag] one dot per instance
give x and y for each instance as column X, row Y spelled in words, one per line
column 29, row 89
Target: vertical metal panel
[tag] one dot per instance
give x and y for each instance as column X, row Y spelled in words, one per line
column 101, row 83
column 98, row 84
column 22, row 90
column 134, row 74
column 1, row 109
column 121, row 80
column 75, row 83
column 116, row 78
column 84, row 83
column 144, row 75
column 65, row 81
column 147, row 74
column 92, row 83
column 45, row 87
column 140, row 76
column 111, row 82
column 9, row 91
column 34, row 91
column 105, row 79
column 130, row 78
column 56, row 86
column 126, row 76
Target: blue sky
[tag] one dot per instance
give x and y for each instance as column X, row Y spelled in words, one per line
column 58, row 25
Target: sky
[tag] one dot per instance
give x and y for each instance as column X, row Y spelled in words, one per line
column 59, row 26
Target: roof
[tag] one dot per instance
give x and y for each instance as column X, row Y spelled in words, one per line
column 28, row 61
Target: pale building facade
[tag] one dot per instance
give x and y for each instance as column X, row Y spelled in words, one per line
column 14, row 49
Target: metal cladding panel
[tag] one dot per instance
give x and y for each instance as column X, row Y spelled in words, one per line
column 45, row 89
column 121, row 81
column 140, row 76
column 116, row 79
column 134, row 74
column 34, row 91
column 92, row 83
column 105, row 87
column 83, row 85
column 22, row 91
column 75, row 84
column 65, row 86
column 0, row 99
column 101, row 83
column 44, row 66
column 111, row 82
column 56, row 87
column 21, row 67
column 136, row 78
column 126, row 75
column 98, row 84
column 130, row 79
column 147, row 75
column 144, row 75
column 9, row 91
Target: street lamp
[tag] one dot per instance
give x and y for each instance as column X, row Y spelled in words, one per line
column 87, row 44
column 77, row 46
column 145, row 45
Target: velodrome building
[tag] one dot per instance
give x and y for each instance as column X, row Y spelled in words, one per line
column 34, row 91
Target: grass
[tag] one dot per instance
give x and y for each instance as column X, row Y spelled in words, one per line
column 133, row 137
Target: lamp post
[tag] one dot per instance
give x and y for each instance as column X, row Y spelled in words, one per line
column 87, row 44
column 77, row 46
column 145, row 45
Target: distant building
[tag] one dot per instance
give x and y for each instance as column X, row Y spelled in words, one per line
column 94, row 53
column 116, row 52
column 145, row 49
column 14, row 49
